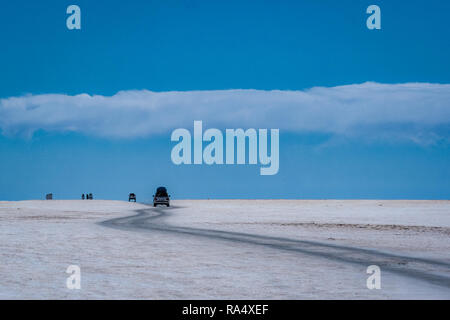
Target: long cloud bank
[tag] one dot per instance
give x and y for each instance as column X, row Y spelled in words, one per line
column 418, row 112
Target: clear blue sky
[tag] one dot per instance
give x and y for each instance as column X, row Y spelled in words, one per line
column 215, row 45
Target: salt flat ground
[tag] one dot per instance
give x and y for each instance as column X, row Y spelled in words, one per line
column 225, row 249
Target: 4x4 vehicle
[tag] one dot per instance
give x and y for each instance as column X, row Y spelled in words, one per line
column 132, row 197
column 161, row 197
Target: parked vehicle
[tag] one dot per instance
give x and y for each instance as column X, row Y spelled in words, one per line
column 161, row 197
column 131, row 197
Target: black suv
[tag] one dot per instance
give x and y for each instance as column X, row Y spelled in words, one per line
column 161, row 197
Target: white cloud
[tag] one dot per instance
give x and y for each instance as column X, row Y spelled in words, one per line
column 414, row 111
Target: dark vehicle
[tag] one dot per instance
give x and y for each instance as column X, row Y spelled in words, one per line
column 161, row 197
column 132, row 197
column 49, row 196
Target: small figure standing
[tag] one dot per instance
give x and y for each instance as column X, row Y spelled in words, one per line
column 82, row 196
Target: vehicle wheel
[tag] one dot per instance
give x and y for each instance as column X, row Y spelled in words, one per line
column 168, row 205
column 154, row 204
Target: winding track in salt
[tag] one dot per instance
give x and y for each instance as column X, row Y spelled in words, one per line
column 153, row 220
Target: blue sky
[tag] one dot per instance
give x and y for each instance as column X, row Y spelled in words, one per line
column 193, row 45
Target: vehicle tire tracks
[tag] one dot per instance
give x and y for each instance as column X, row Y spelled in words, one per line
column 432, row 271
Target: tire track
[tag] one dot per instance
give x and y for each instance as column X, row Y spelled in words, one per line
column 432, row 271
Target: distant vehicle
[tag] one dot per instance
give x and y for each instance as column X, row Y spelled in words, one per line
column 161, row 197
column 132, row 197
column 49, row 196
column 89, row 196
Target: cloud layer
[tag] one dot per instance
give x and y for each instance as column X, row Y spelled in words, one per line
column 415, row 111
